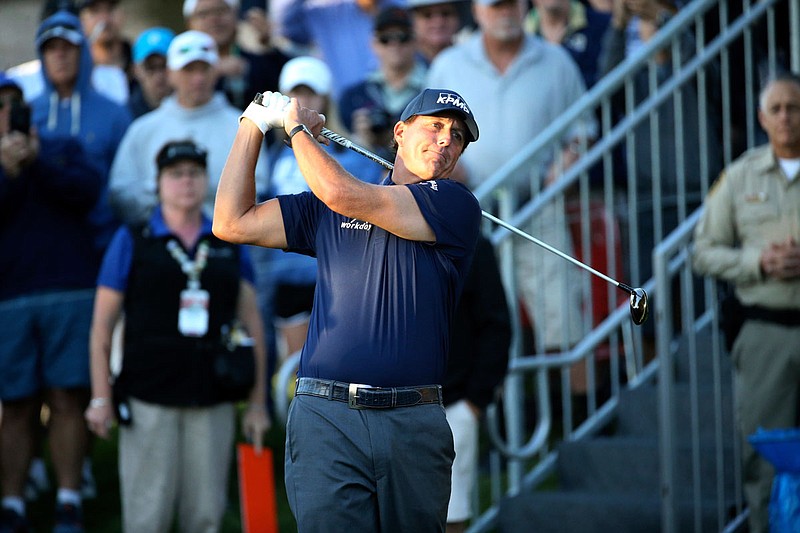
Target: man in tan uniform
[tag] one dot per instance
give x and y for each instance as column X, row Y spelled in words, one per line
column 749, row 236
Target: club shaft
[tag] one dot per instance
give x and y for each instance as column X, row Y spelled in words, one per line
column 347, row 143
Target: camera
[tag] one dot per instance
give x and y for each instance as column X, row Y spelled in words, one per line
column 378, row 120
column 19, row 118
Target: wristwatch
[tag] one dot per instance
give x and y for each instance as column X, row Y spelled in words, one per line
column 297, row 129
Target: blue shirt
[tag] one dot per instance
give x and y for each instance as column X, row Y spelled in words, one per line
column 383, row 304
column 116, row 265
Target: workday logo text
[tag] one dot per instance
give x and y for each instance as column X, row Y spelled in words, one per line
column 356, row 224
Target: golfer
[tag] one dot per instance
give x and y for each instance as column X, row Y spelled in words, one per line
column 368, row 447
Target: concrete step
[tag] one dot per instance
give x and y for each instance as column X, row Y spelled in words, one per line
column 637, row 413
column 583, row 512
column 630, row 465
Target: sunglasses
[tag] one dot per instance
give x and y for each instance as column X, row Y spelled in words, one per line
column 394, row 37
column 189, row 48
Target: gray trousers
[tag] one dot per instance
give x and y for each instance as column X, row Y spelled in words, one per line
column 370, row 470
column 767, row 361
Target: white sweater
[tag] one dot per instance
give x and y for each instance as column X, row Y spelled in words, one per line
column 213, row 126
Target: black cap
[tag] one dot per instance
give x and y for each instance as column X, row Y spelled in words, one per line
column 176, row 151
column 392, row 16
column 438, row 101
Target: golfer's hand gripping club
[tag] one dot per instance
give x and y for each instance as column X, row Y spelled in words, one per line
column 267, row 110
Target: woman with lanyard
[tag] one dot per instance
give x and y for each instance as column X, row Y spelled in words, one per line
column 179, row 288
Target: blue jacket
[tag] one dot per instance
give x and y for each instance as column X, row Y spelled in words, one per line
column 95, row 121
column 46, row 241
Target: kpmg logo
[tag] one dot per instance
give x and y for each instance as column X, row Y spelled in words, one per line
column 453, row 100
column 356, row 224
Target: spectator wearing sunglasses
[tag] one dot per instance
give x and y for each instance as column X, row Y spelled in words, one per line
column 338, row 31
column 150, row 70
column 369, row 109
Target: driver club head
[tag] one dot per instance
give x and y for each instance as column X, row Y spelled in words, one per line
column 639, row 306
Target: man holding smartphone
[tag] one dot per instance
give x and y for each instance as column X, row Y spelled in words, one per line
column 18, row 148
column 47, row 189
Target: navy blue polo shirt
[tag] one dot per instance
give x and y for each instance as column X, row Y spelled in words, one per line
column 383, row 304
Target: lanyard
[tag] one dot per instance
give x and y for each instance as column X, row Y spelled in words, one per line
column 192, row 269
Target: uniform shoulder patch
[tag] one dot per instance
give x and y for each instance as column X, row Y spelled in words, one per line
column 716, row 184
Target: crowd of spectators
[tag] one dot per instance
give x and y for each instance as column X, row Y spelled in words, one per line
column 104, row 103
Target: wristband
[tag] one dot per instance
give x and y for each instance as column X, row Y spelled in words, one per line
column 297, row 129
column 98, row 402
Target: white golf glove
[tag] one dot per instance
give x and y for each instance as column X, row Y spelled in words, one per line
column 269, row 113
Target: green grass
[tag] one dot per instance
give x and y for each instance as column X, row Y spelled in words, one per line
column 103, row 514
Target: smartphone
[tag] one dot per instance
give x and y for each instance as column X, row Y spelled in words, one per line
column 19, row 118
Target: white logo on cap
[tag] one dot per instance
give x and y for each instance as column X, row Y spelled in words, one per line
column 453, row 100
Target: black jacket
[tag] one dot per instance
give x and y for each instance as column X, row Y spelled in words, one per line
column 480, row 335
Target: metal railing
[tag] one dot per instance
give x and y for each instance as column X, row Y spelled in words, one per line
column 654, row 117
column 705, row 71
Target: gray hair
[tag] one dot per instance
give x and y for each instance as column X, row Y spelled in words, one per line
column 780, row 76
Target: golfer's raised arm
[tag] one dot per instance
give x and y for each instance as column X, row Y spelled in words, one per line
column 237, row 218
column 391, row 208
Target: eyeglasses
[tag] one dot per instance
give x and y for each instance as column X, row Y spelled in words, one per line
column 394, row 37
column 179, row 172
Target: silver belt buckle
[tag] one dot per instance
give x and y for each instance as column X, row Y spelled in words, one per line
column 352, row 395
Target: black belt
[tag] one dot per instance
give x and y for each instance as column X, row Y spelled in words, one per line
column 365, row 397
column 784, row 317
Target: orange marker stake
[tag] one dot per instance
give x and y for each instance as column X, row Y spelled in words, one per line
column 257, row 490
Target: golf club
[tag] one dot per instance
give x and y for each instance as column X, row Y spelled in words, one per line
column 638, row 297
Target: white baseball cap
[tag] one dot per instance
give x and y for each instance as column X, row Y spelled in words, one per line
column 191, row 46
column 190, row 5
column 306, row 70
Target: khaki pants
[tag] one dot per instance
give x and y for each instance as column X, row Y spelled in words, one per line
column 549, row 285
column 766, row 357
column 175, row 458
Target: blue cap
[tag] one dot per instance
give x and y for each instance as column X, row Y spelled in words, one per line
column 152, row 41
column 438, row 101
column 7, row 82
column 61, row 30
